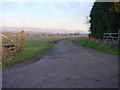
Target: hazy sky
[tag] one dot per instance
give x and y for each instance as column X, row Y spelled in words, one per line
column 56, row 15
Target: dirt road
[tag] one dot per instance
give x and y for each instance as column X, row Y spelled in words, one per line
column 67, row 66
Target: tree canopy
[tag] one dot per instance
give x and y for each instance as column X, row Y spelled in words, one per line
column 104, row 18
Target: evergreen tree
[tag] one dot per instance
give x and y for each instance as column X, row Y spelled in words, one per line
column 103, row 19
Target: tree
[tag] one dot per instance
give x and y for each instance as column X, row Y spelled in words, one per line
column 103, row 18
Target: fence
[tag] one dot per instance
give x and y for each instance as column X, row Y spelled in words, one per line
column 11, row 42
column 112, row 38
column 48, row 35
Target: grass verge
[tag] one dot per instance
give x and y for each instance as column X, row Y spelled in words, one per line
column 33, row 47
column 100, row 46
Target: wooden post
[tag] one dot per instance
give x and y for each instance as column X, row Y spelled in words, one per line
column 119, row 39
column 22, row 39
column 0, row 49
column 118, row 35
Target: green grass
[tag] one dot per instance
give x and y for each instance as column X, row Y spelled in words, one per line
column 33, row 47
column 92, row 43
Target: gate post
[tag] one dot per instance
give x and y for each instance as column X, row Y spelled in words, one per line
column 118, row 35
column 118, row 39
column 22, row 39
column 0, row 49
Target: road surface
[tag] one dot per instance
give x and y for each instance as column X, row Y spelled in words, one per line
column 68, row 65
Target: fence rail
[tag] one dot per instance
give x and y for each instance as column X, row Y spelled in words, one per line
column 11, row 42
column 111, row 38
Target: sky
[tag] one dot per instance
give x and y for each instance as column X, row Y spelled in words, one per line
column 51, row 15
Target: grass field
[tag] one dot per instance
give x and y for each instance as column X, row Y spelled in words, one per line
column 97, row 45
column 33, row 47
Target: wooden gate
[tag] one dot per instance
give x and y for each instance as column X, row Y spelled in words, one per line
column 112, row 38
column 11, row 42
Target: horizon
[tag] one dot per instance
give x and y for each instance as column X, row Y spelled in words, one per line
column 40, row 30
column 69, row 16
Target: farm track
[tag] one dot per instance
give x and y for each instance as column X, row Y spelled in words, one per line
column 67, row 66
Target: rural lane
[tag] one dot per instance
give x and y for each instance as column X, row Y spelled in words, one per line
column 68, row 65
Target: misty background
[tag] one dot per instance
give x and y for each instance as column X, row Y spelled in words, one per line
column 60, row 17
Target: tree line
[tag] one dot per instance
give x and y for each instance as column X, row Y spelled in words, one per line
column 104, row 18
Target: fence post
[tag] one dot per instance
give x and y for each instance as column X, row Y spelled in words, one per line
column 118, row 35
column 0, row 49
column 22, row 39
column 118, row 38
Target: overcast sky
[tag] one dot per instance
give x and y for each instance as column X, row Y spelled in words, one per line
column 53, row 15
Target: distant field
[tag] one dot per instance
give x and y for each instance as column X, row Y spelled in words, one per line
column 33, row 47
column 97, row 45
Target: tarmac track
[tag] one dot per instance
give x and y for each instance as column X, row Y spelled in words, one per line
column 68, row 65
